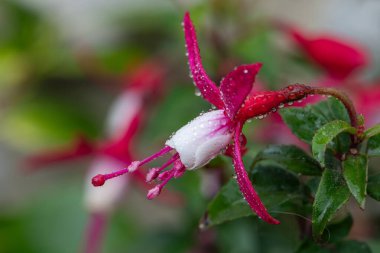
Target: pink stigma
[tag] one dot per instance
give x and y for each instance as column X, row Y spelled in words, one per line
column 98, row 180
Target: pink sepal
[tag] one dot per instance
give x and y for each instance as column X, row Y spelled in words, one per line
column 245, row 184
column 206, row 86
column 81, row 148
column 236, row 86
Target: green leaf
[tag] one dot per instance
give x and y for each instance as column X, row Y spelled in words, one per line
column 309, row 246
column 352, row 247
column 375, row 130
column 227, row 205
column 331, row 195
column 349, row 246
column 373, row 136
column 325, row 135
column 275, row 186
column 305, row 121
column 373, row 187
column 290, row 157
column 355, row 171
column 313, row 184
column 374, row 146
column 337, row 231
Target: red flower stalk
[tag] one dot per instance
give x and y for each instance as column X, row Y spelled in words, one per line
column 211, row 133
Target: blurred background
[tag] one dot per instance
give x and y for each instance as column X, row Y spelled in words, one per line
column 64, row 63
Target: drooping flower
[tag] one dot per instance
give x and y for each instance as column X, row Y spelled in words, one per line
column 337, row 57
column 123, row 121
column 218, row 130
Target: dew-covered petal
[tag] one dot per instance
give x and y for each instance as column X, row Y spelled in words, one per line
column 236, row 86
column 206, row 86
column 211, row 148
column 245, row 184
column 206, row 128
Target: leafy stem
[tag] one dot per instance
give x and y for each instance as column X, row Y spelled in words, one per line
column 346, row 102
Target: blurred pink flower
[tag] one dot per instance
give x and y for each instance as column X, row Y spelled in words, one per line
column 124, row 119
column 337, row 57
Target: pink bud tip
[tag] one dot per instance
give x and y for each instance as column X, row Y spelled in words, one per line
column 154, row 192
column 164, row 175
column 178, row 173
column 98, row 180
column 152, row 174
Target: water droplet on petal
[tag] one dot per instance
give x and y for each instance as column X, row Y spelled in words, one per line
column 290, row 103
column 281, row 105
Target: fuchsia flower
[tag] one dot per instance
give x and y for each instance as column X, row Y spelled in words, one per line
column 338, row 58
column 216, row 131
column 123, row 122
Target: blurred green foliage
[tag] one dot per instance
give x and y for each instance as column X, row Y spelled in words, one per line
column 48, row 96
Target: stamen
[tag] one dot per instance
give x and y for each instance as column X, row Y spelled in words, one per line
column 179, row 169
column 154, row 173
column 164, row 175
column 162, row 152
column 154, row 192
column 100, row 179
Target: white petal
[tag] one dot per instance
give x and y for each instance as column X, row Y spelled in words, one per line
column 203, row 129
column 104, row 198
column 122, row 112
column 211, row 148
